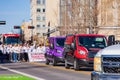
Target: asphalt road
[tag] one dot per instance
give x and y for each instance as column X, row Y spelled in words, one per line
column 46, row 72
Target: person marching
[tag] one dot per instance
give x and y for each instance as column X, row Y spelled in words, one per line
column 14, row 53
column 9, row 52
column 26, row 49
column 1, row 53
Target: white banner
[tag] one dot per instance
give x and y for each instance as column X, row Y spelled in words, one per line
column 36, row 57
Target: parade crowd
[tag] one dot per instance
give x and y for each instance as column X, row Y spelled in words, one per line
column 19, row 52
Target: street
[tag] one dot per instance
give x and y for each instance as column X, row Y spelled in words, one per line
column 45, row 72
column 37, row 36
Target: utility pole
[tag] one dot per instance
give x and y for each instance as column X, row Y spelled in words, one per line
column 48, row 35
column 31, row 27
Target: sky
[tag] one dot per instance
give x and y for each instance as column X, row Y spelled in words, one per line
column 14, row 12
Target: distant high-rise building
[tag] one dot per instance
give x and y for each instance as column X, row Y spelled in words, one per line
column 37, row 16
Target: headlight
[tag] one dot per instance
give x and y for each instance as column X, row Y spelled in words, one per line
column 97, row 63
column 58, row 51
column 81, row 52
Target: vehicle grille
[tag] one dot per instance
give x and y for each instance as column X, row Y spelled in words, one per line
column 111, row 64
column 111, row 59
column 91, row 54
column 111, row 70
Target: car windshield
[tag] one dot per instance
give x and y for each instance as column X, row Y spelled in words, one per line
column 92, row 41
column 60, row 42
column 12, row 40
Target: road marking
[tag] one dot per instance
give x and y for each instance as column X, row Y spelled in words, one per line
column 61, row 68
column 22, row 73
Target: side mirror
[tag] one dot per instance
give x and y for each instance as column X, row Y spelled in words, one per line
column 111, row 40
column 73, row 46
column 51, row 46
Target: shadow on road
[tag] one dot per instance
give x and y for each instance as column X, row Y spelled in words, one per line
column 3, row 69
column 27, row 67
column 22, row 65
column 86, row 68
column 81, row 69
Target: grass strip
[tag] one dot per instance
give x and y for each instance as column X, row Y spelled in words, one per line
column 14, row 77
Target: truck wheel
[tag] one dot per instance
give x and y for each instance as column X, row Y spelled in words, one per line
column 67, row 66
column 76, row 65
column 54, row 61
column 93, row 77
column 47, row 61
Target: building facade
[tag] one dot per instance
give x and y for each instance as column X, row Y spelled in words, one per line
column 37, row 16
column 69, row 16
column 26, row 33
column 53, row 16
column 87, row 16
column 109, row 17
column 76, row 16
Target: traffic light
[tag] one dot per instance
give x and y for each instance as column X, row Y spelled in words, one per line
column 2, row 22
column 31, row 27
column 16, row 27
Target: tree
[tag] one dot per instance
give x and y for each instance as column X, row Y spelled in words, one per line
column 79, row 15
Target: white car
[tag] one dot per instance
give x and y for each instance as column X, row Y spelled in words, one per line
column 107, row 64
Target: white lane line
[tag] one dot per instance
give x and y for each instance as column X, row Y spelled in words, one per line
column 22, row 73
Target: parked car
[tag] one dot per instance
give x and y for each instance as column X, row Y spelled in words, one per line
column 80, row 49
column 54, row 50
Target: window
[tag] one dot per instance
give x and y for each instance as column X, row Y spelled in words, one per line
column 38, row 34
column 43, row 18
column 43, row 1
column 43, row 25
column 60, row 42
column 38, row 1
column 62, row 2
column 38, row 18
column 38, row 10
column 43, row 10
column 38, row 26
column 92, row 41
